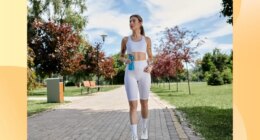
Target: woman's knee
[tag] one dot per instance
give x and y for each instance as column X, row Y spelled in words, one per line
column 133, row 105
column 144, row 103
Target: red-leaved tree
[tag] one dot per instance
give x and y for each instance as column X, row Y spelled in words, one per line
column 107, row 68
column 177, row 45
column 56, row 48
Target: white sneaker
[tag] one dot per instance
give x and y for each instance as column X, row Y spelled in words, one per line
column 144, row 134
column 134, row 137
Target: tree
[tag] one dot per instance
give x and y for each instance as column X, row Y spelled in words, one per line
column 90, row 56
column 227, row 10
column 230, row 61
column 31, row 75
column 107, row 68
column 220, row 60
column 217, row 65
column 215, row 78
column 166, row 67
column 56, row 49
column 59, row 11
column 119, row 67
column 197, row 73
column 227, row 76
column 87, row 66
column 178, row 45
column 66, row 16
column 207, row 63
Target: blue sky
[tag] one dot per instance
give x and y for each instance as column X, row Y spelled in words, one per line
column 111, row 17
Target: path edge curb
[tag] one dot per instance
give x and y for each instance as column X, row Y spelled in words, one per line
column 180, row 131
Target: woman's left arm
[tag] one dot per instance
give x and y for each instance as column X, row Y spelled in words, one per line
column 149, row 52
column 150, row 56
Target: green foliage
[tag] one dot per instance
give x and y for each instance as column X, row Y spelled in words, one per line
column 216, row 59
column 197, row 73
column 31, row 75
column 182, row 76
column 230, row 61
column 215, row 78
column 70, row 83
column 217, row 67
column 207, row 63
column 220, row 60
column 60, row 11
column 31, row 79
column 207, row 75
column 77, row 21
column 119, row 68
column 227, row 10
column 196, row 77
column 227, row 76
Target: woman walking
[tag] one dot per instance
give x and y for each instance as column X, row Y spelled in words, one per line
column 137, row 78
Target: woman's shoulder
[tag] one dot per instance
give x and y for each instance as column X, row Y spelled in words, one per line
column 125, row 38
column 147, row 39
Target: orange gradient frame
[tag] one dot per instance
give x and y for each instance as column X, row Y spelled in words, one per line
column 13, row 74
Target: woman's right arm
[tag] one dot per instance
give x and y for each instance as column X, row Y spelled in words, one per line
column 123, row 50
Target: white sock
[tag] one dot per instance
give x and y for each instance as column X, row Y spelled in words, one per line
column 134, row 129
column 144, row 122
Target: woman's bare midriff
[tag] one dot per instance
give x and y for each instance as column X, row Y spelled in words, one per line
column 139, row 56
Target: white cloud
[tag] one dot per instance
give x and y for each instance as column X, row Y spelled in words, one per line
column 226, row 48
column 95, row 35
column 210, row 45
column 102, row 16
column 173, row 12
column 221, row 30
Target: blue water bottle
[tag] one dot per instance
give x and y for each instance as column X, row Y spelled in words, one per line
column 131, row 64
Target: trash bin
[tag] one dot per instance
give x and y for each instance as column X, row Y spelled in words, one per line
column 55, row 91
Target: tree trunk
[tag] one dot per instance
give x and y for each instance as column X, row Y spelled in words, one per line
column 169, row 83
column 177, row 86
column 188, row 77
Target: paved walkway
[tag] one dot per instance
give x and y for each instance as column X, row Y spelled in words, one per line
column 66, row 98
column 103, row 116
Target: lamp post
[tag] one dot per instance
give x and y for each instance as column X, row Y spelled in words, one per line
column 103, row 37
column 99, row 45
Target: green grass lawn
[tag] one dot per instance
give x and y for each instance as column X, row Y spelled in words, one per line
column 71, row 90
column 208, row 109
column 36, row 106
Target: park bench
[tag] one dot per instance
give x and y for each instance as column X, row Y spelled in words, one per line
column 89, row 85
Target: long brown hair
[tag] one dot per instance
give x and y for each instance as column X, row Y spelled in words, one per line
column 140, row 20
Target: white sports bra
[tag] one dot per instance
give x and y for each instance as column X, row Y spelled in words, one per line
column 136, row 46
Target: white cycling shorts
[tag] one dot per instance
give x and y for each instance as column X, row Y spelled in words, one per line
column 137, row 82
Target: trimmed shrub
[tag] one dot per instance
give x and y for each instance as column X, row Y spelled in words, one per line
column 227, row 76
column 215, row 78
